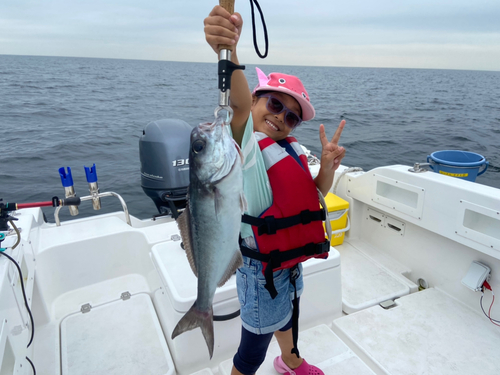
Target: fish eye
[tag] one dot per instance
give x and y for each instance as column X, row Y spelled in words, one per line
column 198, row 146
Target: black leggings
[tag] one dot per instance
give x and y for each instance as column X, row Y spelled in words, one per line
column 252, row 350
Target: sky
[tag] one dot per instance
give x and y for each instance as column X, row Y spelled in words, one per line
column 430, row 34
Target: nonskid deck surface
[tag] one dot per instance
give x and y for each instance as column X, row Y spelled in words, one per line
column 320, row 347
column 427, row 333
column 365, row 282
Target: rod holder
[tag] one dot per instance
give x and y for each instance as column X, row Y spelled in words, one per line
column 69, row 189
column 93, row 187
column 91, row 197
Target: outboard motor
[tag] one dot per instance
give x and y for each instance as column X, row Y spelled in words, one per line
column 164, row 154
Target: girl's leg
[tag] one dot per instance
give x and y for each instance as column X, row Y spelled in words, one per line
column 285, row 341
column 251, row 352
column 234, row 371
column 289, row 360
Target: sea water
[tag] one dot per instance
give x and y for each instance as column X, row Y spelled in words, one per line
column 60, row 111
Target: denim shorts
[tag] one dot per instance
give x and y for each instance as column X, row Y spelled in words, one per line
column 260, row 314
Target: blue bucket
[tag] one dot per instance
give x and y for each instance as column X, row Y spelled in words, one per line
column 455, row 163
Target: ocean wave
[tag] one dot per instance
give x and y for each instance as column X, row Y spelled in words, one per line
column 371, row 143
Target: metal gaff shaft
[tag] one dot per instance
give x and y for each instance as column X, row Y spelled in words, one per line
column 224, row 78
column 226, row 66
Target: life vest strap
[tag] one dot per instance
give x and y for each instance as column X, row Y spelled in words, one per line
column 275, row 258
column 294, row 274
column 269, row 224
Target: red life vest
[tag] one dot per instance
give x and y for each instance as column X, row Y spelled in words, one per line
column 291, row 230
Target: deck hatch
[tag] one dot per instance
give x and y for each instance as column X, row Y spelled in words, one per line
column 119, row 337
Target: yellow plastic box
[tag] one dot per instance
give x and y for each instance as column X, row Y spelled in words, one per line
column 337, row 214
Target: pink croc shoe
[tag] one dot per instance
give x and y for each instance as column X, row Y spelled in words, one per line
column 304, row 369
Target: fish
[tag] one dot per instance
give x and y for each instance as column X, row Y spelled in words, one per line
column 210, row 224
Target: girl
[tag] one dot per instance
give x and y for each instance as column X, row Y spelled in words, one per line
column 274, row 171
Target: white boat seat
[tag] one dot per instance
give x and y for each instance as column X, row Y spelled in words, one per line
column 126, row 331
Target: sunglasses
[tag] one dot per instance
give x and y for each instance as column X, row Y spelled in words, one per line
column 275, row 106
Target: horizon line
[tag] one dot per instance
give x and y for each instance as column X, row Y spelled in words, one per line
column 215, row 62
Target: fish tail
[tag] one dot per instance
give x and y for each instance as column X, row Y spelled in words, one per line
column 197, row 318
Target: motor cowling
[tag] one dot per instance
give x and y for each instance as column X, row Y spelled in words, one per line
column 164, row 154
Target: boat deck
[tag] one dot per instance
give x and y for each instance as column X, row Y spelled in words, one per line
column 321, row 347
column 426, row 333
column 366, row 281
column 423, row 334
column 425, row 325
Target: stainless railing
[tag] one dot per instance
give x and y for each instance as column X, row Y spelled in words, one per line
column 94, row 196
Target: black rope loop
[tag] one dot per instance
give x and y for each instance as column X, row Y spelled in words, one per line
column 262, row 56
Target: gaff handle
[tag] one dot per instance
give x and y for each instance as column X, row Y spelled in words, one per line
column 229, row 6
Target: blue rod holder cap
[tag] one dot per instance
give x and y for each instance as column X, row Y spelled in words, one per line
column 66, row 178
column 91, row 174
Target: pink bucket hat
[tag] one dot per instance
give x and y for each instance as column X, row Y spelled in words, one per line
column 286, row 84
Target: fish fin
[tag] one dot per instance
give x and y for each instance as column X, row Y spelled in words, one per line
column 183, row 223
column 217, row 202
column 243, row 203
column 235, row 263
column 197, row 318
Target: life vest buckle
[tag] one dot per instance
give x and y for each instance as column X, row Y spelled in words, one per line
column 275, row 259
column 323, row 215
column 324, row 247
column 305, row 217
column 310, row 249
column 269, row 226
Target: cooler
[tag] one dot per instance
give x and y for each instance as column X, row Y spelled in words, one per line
column 339, row 220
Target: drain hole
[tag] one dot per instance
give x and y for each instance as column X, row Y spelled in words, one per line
column 375, row 218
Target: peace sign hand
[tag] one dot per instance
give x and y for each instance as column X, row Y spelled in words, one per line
column 331, row 154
